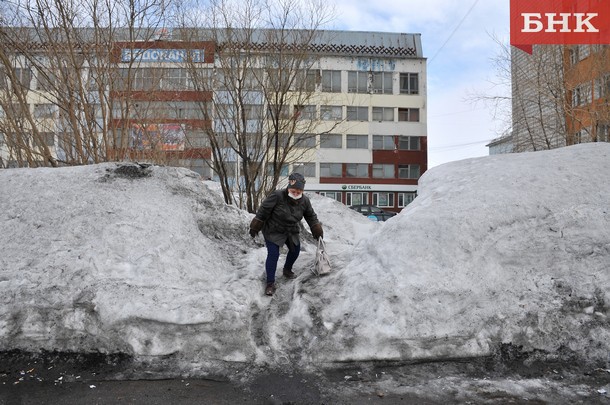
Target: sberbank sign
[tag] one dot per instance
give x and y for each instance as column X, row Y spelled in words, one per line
column 162, row 55
column 355, row 187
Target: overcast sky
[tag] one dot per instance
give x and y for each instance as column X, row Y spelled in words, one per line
column 457, row 40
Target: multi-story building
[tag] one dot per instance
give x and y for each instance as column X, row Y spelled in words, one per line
column 559, row 97
column 538, row 99
column 375, row 84
column 369, row 108
column 587, row 79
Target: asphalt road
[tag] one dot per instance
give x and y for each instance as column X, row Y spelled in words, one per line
column 52, row 378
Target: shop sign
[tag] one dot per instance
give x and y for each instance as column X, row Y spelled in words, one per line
column 162, row 55
column 356, row 187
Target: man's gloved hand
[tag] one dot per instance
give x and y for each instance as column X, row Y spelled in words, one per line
column 317, row 231
column 255, row 226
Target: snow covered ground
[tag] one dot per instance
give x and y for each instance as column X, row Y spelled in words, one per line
column 502, row 250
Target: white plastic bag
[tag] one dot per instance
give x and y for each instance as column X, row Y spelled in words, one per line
column 322, row 264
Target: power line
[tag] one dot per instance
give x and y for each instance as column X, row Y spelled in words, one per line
column 455, row 113
column 453, row 32
column 456, row 146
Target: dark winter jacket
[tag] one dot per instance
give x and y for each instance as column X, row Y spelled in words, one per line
column 282, row 215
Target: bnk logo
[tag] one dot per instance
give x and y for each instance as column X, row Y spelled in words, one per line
column 565, row 21
column 558, row 22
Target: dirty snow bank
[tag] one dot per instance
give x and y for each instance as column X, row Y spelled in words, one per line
column 149, row 261
column 510, row 249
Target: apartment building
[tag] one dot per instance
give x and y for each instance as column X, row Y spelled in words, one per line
column 375, row 85
column 559, row 97
column 369, row 108
column 587, row 78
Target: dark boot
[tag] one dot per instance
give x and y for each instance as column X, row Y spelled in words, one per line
column 289, row 273
column 270, row 289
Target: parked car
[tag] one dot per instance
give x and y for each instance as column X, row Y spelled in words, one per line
column 373, row 213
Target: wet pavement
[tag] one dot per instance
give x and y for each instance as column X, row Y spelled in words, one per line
column 55, row 378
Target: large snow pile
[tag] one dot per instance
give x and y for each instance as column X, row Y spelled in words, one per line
column 149, row 261
column 508, row 249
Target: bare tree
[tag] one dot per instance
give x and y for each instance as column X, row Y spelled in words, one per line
column 264, row 83
column 80, row 95
column 67, row 48
column 534, row 112
column 539, row 98
column 559, row 94
column 23, row 142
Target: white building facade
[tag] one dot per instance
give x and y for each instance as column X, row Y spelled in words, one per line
column 369, row 105
column 376, row 86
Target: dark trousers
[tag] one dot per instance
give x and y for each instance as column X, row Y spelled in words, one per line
column 273, row 255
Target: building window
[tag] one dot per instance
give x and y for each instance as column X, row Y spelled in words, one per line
column 304, row 140
column 199, row 166
column 583, row 51
column 197, row 139
column 306, row 169
column 250, row 80
column 356, row 199
column 408, row 171
column 283, row 139
column 357, row 170
column 583, row 136
column 24, row 77
column 408, row 114
column 21, row 138
column 332, row 194
column 305, row 112
column 46, row 80
column 331, row 141
column 603, row 132
column 405, row 199
column 578, row 53
column 408, row 143
column 597, row 48
column 574, row 55
column 176, row 79
column 219, row 81
column 576, row 97
column 357, row 82
column 602, row 86
column 273, row 111
column 409, row 83
column 253, row 111
column 581, row 95
column 383, row 199
column 283, row 170
column 331, row 113
column 43, row 110
column 357, row 113
column 17, row 111
column 330, row 170
column 140, row 79
column 307, row 80
column 382, row 82
column 383, row 114
column 48, row 138
column 331, row 81
column 383, row 171
column 357, row 141
column 155, row 110
column 383, row 142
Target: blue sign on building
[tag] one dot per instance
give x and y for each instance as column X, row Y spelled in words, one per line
column 162, row 55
